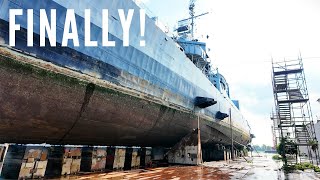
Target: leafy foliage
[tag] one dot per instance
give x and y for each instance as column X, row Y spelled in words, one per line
column 302, row 167
column 262, row 148
column 277, row 157
column 314, row 145
column 287, row 147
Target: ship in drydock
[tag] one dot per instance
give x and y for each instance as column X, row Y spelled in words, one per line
column 152, row 95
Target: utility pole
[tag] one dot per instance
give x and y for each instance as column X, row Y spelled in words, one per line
column 199, row 158
column 232, row 149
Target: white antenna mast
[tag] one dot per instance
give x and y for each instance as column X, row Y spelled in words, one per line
column 191, row 12
column 192, row 17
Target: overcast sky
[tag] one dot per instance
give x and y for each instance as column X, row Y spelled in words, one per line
column 244, row 35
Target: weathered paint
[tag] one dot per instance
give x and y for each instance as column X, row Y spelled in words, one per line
column 71, row 161
column 34, row 162
column 119, row 158
column 135, row 162
column 99, row 159
column 93, row 159
column 186, row 151
column 130, row 119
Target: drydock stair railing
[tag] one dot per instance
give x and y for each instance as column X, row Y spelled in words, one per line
column 293, row 118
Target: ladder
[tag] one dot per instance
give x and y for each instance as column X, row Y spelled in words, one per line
column 293, row 117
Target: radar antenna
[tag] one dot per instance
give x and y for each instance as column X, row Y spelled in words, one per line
column 186, row 29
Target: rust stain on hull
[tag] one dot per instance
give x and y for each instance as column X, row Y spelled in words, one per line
column 54, row 105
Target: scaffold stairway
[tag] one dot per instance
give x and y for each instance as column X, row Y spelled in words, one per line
column 293, row 117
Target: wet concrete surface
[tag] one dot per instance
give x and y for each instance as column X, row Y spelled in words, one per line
column 173, row 173
column 250, row 168
column 263, row 168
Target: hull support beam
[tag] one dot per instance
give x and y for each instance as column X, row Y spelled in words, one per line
column 187, row 151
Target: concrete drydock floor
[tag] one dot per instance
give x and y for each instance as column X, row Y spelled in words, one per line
column 255, row 168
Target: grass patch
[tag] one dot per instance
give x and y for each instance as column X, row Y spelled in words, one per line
column 302, row 167
column 277, row 157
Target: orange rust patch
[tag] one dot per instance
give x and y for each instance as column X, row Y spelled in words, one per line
column 172, row 173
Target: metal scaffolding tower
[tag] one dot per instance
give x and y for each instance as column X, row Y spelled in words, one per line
column 293, row 121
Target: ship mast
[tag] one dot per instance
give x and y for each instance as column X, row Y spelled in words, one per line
column 191, row 12
column 192, row 17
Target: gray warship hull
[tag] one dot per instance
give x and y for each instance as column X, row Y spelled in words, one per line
column 128, row 96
